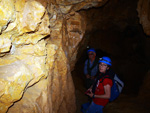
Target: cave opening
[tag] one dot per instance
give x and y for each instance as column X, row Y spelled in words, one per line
column 114, row 30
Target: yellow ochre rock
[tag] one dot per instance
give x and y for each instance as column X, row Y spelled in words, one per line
column 39, row 40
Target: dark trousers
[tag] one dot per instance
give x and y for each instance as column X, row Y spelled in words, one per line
column 89, row 82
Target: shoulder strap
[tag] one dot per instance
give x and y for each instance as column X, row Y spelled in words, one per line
column 100, row 76
column 107, row 76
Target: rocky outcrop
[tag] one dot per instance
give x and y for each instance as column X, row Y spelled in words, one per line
column 144, row 15
column 39, row 41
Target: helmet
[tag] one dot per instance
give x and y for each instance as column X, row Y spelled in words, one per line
column 91, row 50
column 105, row 60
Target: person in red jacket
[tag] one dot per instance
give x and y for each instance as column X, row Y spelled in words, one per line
column 100, row 92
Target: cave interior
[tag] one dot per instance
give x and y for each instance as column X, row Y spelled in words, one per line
column 114, row 30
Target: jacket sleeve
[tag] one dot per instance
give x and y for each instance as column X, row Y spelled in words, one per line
column 85, row 67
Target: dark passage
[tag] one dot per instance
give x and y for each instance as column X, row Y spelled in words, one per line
column 114, row 30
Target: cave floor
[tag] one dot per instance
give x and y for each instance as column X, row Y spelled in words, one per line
column 123, row 104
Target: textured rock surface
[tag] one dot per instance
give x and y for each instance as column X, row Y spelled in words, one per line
column 144, row 15
column 39, row 41
column 114, row 30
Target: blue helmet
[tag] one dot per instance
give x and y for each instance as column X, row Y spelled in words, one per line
column 91, row 50
column 105, row 60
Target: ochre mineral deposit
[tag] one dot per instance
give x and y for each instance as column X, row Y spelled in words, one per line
column 39, row 40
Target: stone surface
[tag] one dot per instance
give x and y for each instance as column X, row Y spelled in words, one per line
column 114, row 30
column 39, row 41
column 144, row 15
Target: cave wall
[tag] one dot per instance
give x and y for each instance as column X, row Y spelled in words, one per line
column 115, row 30
column 39, row 40
column 144, row 16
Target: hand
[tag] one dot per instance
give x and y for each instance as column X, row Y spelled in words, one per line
column 90, row 89
column 87, row 76
column 90, row 94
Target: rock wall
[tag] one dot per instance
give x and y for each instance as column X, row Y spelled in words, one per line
column 114, row 30
column 39, row 41
column 144, row 16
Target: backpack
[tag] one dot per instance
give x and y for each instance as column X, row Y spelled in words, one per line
column 116, row 88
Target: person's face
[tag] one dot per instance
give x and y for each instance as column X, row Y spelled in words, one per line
column 91, row 55
column 103, row 67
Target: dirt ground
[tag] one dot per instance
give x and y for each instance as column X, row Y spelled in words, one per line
column 123, row 104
